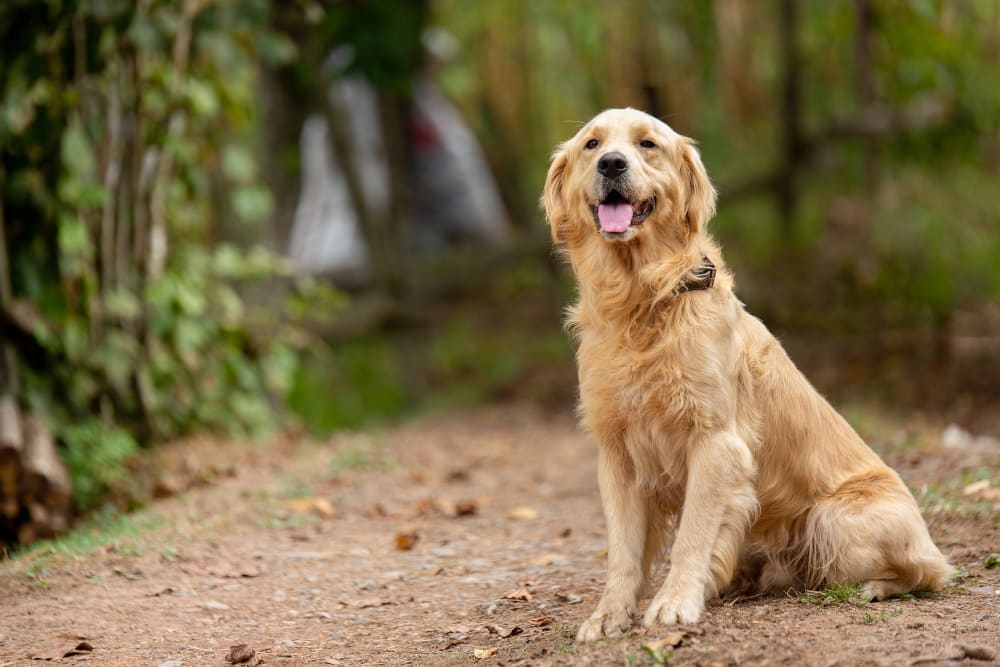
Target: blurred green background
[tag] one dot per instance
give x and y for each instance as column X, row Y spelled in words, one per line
column 151, row 165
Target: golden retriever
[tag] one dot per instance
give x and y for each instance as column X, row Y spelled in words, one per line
column 703, row 422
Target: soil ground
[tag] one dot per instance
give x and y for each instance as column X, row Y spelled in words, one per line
column 425, row 543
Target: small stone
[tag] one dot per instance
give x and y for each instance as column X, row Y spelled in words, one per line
column 240, row 653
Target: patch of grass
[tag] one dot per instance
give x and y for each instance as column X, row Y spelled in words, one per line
column 658, row 656
column 125, row 533
column 292, row 489
column 834, row 595
column 992, row 561
column 870, row 619
column 360, row 453
column 947, row 499
column 648, row 656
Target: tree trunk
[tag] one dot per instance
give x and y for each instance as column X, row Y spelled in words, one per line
column 793, row 146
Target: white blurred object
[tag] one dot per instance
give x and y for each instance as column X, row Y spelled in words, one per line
column 455, row 197
column 956, row 437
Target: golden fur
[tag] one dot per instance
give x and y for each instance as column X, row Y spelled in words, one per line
column 702, row 420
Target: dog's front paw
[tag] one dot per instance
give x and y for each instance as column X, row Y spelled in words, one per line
column 671, row 610
column 604, row 624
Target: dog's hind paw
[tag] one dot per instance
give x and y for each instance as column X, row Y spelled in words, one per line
column 604, row 624
column 673, row 610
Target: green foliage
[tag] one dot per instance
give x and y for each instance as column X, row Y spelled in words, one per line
column 385, row 36
column 902, row 237
column 96, row 455
column 126, row 130
column 992, row 561
column 351, row 384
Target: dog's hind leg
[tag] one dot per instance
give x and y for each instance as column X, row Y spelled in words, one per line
column 626, row 510
column 869, row 532
column 719, row 501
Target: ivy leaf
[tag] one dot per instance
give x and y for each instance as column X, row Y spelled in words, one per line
column 123, row 305
column 202, row 98
column 238, row 163
column 77, row 153
column 252, row 203
column 74, row 246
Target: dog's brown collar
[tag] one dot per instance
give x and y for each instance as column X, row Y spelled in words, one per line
column 702, row 277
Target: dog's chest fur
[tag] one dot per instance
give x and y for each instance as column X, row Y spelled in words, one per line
column 646, row 398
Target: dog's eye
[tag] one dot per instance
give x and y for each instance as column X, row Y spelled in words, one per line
column 591, row 145
column 646, row 143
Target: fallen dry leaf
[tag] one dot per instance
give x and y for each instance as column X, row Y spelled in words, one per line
column 424, row 507
column 548, row 559
column 67, row 646
column 483, row 653
column 365, row 603
column 523, row 513
column 222, row 569
column 240, row 653
column 406, row 541
column 315, row 504
column 982, row 489
column 669, row 641
column 466, row 507
column 541, row 621
column 502, row 631
column 519, row 594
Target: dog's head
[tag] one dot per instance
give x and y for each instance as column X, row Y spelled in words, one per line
column 623, row 176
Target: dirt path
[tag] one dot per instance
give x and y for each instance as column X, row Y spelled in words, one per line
column 297, row 556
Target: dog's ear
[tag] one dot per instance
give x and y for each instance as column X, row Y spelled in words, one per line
column 553, row 199
column 700, row 204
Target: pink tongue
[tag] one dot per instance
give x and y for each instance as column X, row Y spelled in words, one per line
column 614, row 217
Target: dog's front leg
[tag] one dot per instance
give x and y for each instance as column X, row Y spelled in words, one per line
column 625, row 512
column 718, row 502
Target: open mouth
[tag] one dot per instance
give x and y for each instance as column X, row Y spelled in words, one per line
column 615, row 214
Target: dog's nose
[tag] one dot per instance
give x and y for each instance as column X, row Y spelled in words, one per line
column 612, row 165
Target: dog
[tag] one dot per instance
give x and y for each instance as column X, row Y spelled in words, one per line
column 703, row 423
